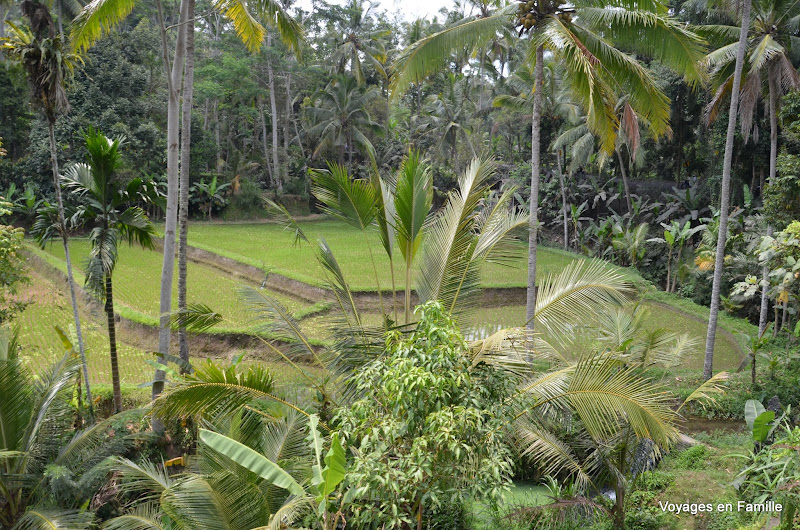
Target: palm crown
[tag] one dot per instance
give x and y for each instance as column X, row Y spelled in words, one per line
column 586, row 38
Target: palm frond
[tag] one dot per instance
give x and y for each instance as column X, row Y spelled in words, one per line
column 583, row 287
column 352, row 201
column 707, row 392
column 432, row 54
column 196, row 318
column 549, row 453
column 36, row 518
column 213, row 390
column 98, row 17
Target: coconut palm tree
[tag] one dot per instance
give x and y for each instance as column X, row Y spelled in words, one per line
column 725, row 192
column 582, row 37
column 49, row 66
column 106, row 209
column 768, row 74
column 359, row 43
column 340, row 120
column 445, row 119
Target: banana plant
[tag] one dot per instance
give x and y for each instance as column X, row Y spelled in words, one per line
column 328, row 469
column 675, row 237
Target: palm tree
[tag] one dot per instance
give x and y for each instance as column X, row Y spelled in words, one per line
column 340, row 120
column 36, row 419
column 105, row 208
column 358, row 42
column 446, row 115
column 101, row 16
column 49, row 67
column 581, row 36
column 770, row 53
column 725, row 192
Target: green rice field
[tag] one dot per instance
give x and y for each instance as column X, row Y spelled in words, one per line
column 270, row 247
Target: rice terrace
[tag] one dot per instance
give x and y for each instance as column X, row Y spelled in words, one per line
column 459, row 265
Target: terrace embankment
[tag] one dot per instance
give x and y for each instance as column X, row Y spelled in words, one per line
column 145, row 336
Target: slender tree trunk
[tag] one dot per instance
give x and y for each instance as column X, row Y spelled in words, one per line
column 350, row 152
column 60, row 10
column 112, row 345
column 563, row 200
column 274, row 109
column 287, row 117
column 725, row 198
column 773, row 162
column 217, row 136
column 624, row 175
column 763, row 316
column 70, row 278
column 183, row 200
column 171, row 213
column 264, row 141
column 530, row 310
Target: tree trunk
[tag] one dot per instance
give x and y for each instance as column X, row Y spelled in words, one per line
column 112, row 345
column 773, row 161
column 183, row 206
column 563, row 200
column 274, row 109
column 60, row 11
column 763, row 317
column 171, row 212
column 217, row 137
column 287, row 121
column 70, row 278
column 264, row 142
column 725, row 198
column 624, row 175
column 530, row 310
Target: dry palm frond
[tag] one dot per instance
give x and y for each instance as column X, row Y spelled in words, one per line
column 706, row 392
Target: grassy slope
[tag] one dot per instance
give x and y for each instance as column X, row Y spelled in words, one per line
column 268, row 246
column 42, row 346
column 137, row 284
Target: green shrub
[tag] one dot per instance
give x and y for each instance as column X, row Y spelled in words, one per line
column 693, row 458
column 654, row 481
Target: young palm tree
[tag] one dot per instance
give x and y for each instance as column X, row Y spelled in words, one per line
column 340, row 120
column 106, row 209
column 49, row 66
column 36, row 418
column 725, row 193
column 581, row 36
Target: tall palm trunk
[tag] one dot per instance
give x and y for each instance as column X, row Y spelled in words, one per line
column 725, row 198
column 773, row 162
column 112, row 345
column 183, row 207
column 264, row 139
column 763, row 316
column 563, row 199
column 623, row 172
column 530, row 309
column 274, row 109
column 70, row 278
column 171, row 214
column 287, row 122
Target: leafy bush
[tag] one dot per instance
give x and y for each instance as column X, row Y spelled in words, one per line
column 693, row 458
column 428, row 429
